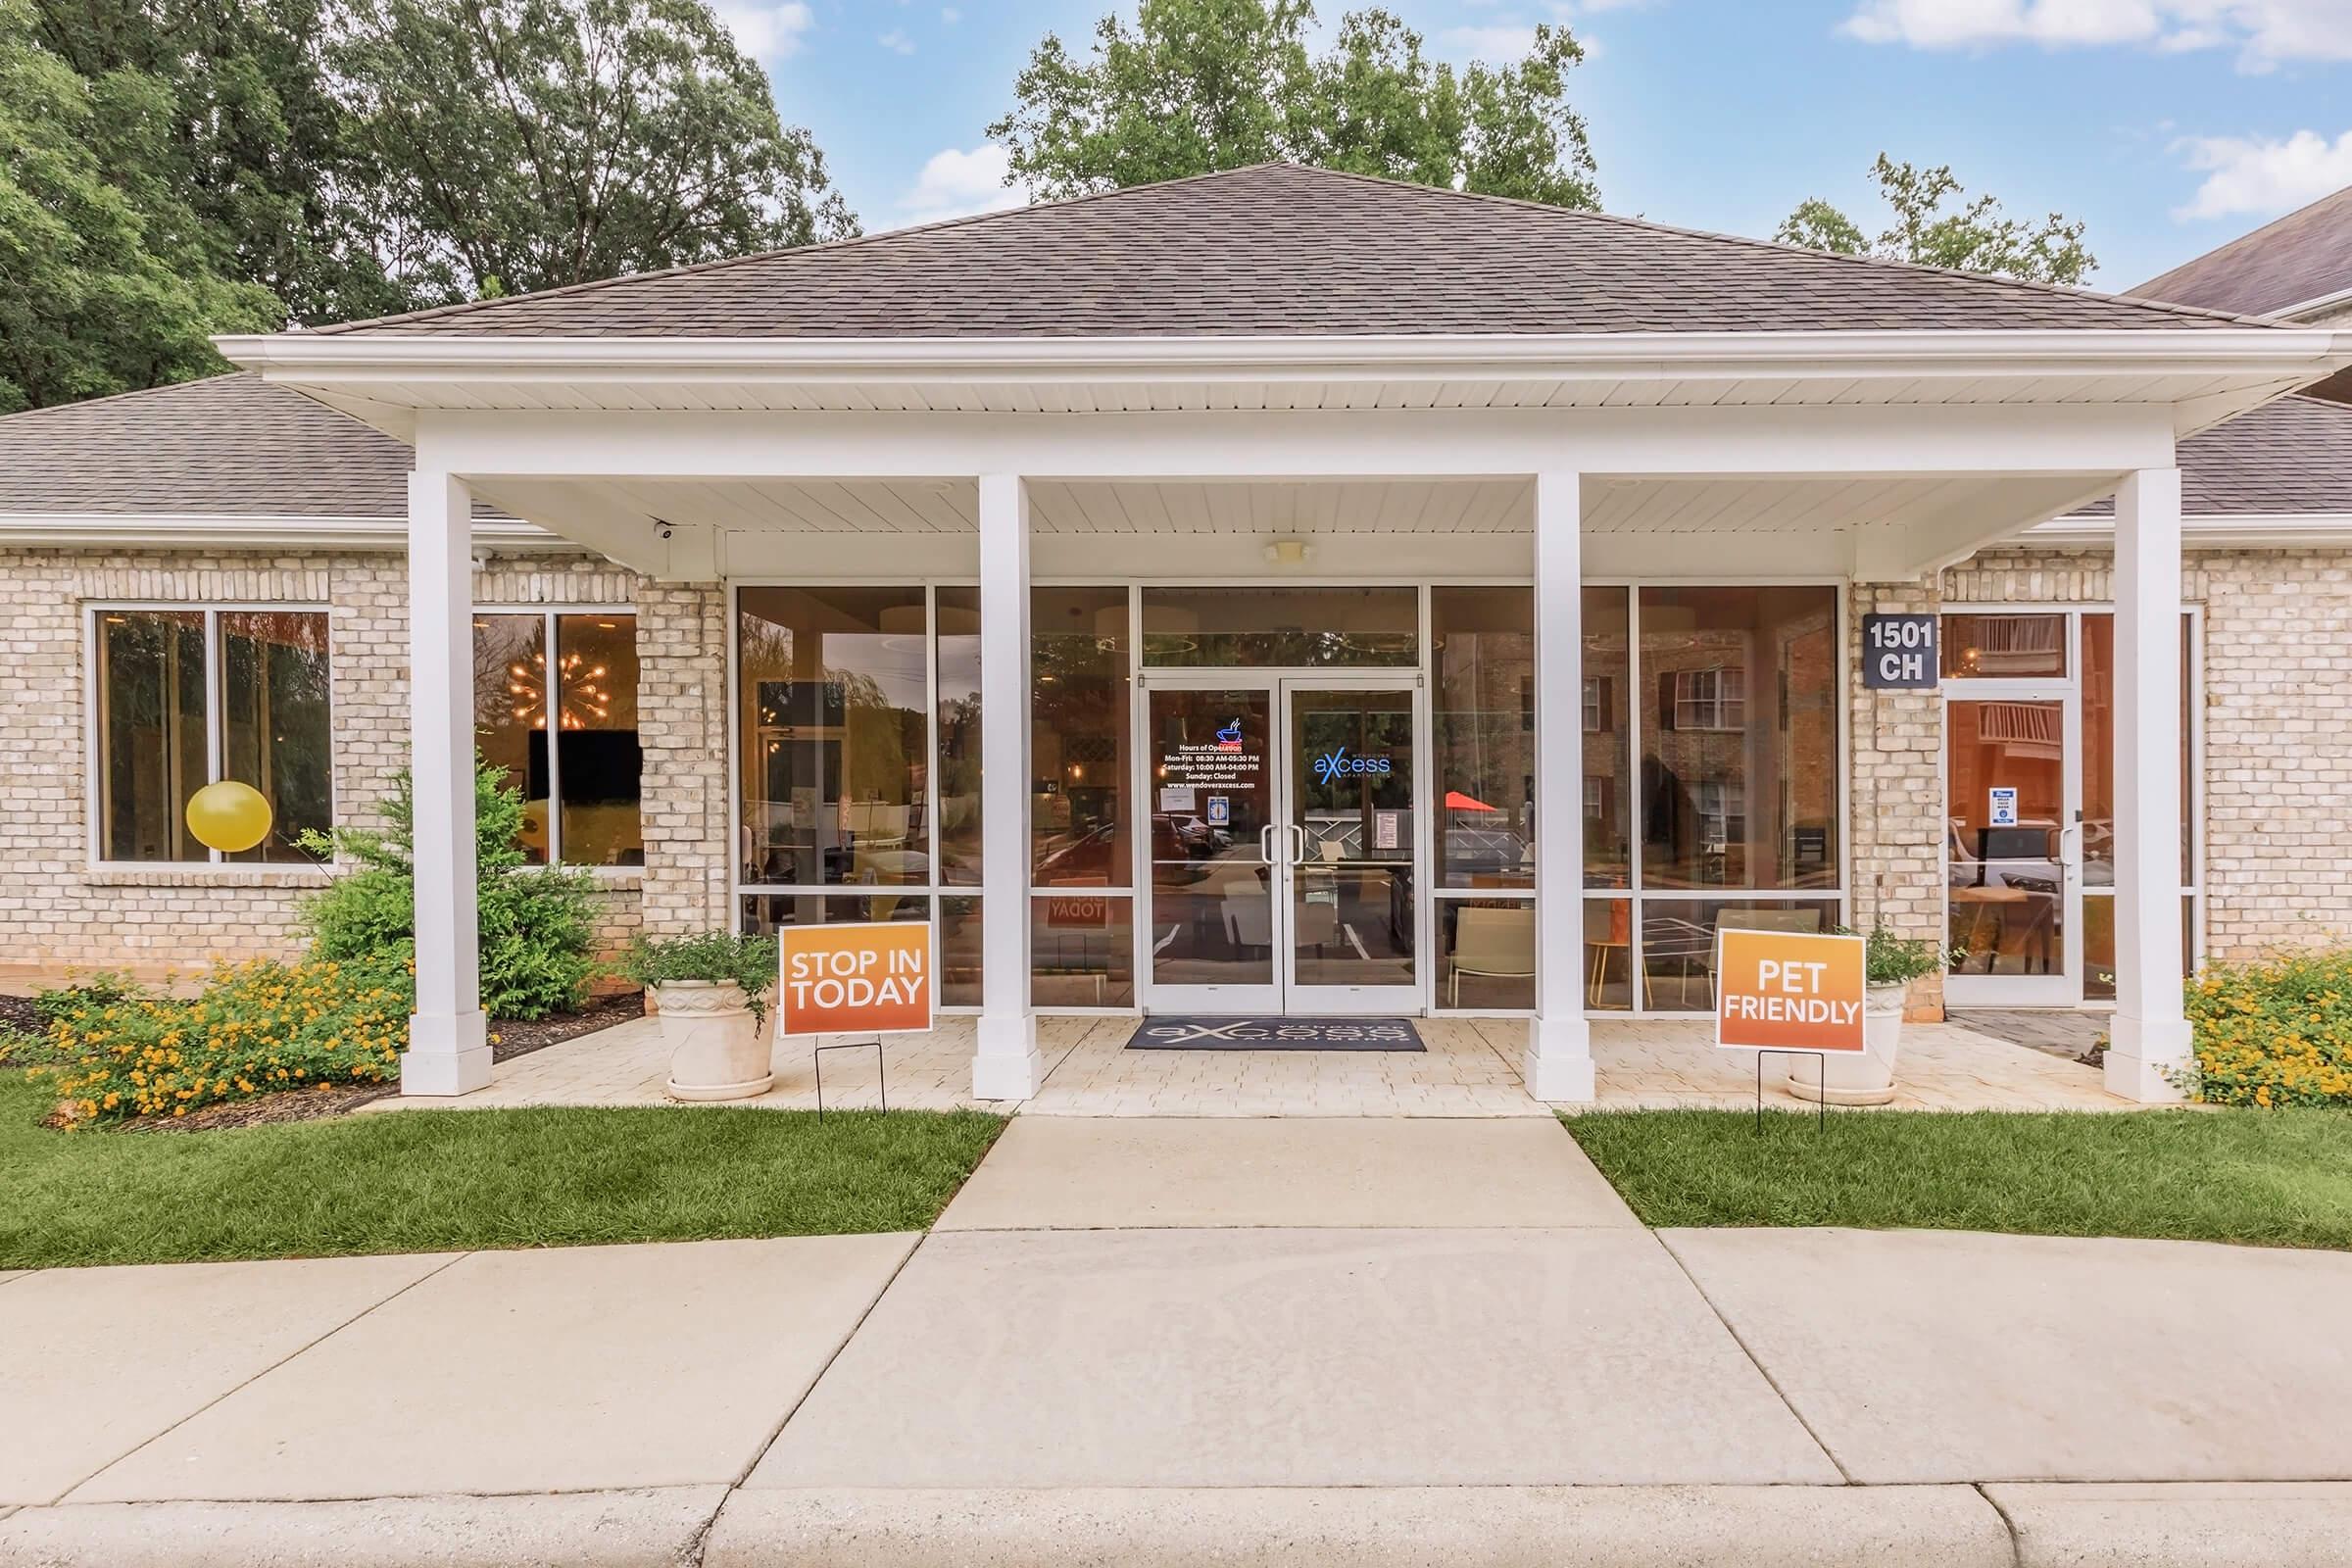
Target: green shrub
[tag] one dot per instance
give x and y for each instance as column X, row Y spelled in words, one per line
column 537, row 923
column 715, row 956
column 99, row 990
column 2273, row 1032
column 258, row 1028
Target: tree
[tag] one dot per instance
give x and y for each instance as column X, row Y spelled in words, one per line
column 255, row 141
column 107, row 284
column 1970, row 235
column 509, row 145
column 1197, row 86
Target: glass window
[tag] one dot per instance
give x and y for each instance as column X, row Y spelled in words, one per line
column 1082, row 949
column 274, row 733
column 832, row 686
column 1298, row 629
column 1609, row 967
column 1484, row 645
column 1740, row 737
column 1079, row 749
column 164, row 716
column 582, row 799
column 1996, row 646
column 957, row 651
column 598, row 763
column 1487, row 951
column 765, row 913
column 2098, row 751
column 1608, row 739
column 960, row 948
column 1677, row 941
column 510, row 715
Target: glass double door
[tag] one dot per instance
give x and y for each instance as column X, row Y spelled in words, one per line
column 1283, row 843
column 2016, row 843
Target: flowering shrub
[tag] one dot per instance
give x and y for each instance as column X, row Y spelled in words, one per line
column 258, row 1028
column 2275, row 1032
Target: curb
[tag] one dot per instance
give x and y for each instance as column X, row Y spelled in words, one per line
column 2001, row 1525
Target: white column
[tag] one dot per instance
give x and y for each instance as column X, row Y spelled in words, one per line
column 2150, row 1038
column 1006, row 1064
column 1559, row 1046
column 448, row 1045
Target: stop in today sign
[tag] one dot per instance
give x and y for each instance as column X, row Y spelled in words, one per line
column 1787, row 991
column 854, row 979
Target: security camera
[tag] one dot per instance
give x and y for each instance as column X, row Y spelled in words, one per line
column 662, row 528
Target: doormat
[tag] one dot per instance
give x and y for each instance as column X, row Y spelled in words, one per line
column 1275, row 1034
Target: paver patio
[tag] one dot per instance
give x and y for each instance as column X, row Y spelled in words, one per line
column 1471, row 1068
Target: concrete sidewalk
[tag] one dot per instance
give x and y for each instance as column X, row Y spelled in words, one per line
column 1082, row 1367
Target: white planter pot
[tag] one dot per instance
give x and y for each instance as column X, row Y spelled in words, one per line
column 717, row 1049
column 1867, row 1077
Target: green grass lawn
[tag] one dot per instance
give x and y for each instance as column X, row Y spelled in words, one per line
column 2280, row 1178
column 446, row 1180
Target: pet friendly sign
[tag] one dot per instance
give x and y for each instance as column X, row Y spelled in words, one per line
column 1788, row 990
column 871, row 979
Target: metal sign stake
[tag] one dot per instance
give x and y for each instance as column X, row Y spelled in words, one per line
column 1820, row 1059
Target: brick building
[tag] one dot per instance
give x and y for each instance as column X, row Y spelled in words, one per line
column 754, row 548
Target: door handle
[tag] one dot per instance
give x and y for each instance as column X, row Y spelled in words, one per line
column 1301, row 857
column 1265, row 844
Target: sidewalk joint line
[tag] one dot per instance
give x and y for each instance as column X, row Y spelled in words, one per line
column 157, row 1436
column 777, row 1431
column 1770, row 1380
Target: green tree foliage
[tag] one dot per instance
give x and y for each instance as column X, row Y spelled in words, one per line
column 106, row 280
column 510, row 145
column 1937, row 224
column 1191, row 86
column 537, row 923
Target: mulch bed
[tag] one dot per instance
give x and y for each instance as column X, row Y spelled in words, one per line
column 515, row 1039
column 16, row 1013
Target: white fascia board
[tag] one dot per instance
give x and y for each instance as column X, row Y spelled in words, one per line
column 2251, row 530
column 326, row 359
column 200, row 529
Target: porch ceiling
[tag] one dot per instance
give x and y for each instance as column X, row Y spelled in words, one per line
column 1842, row 524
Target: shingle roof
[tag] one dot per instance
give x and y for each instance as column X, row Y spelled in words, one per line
column 2290, row 457
column 2304, row 255
column 1280, row 250
column 230, row 444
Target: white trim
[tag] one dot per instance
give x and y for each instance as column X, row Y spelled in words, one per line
column 223, row 529
column 323, row 359
column 2213, row 531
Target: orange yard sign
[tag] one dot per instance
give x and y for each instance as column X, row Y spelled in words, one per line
column 1782, row 991
column 855, row 979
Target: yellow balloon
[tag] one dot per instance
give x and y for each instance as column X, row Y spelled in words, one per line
column 229, row 817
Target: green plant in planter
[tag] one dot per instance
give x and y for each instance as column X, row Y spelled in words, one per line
column 1889, row 959
column 718, row 957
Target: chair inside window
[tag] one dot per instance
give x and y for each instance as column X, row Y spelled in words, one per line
column 1495, row 943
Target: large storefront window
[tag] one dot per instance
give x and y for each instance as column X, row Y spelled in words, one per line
column 1483, row 659
column 185, row 697
column 1081, row 761
column 1282, row 628
column 581, row 790
column 1734, row 802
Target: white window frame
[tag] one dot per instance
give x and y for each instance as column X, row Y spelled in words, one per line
column 1719, row 709
column 94, row 708
column 549, row 697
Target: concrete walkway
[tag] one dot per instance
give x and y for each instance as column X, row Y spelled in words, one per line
column 1151, row 1343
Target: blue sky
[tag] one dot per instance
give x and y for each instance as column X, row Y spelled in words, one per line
column 2170, row 125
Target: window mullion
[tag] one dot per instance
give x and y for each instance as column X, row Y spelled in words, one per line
column 215, row 709
column 551, row 704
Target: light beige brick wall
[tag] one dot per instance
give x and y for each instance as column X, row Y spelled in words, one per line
column 2276, row 787
column 1898, row 876
column 55, row 907
column 682, row 724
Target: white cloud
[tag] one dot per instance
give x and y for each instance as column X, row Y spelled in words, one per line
column 2245, row 175
column 1496, row 44
column 956, row 183
column 949, row 15
column 766, row 32
column 2265, row 33
column 896, row 41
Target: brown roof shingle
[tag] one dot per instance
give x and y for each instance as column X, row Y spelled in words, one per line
column 2287, row 458
column 1279, row 250
column 227, row 445
column 2305, row 256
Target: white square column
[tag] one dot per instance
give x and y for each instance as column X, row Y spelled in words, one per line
column 2149, row 1042
column 448, row 1044
column 1006, row 1064
column 1559, row 1044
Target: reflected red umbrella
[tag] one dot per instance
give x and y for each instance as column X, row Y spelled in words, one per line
column 1456, row 800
